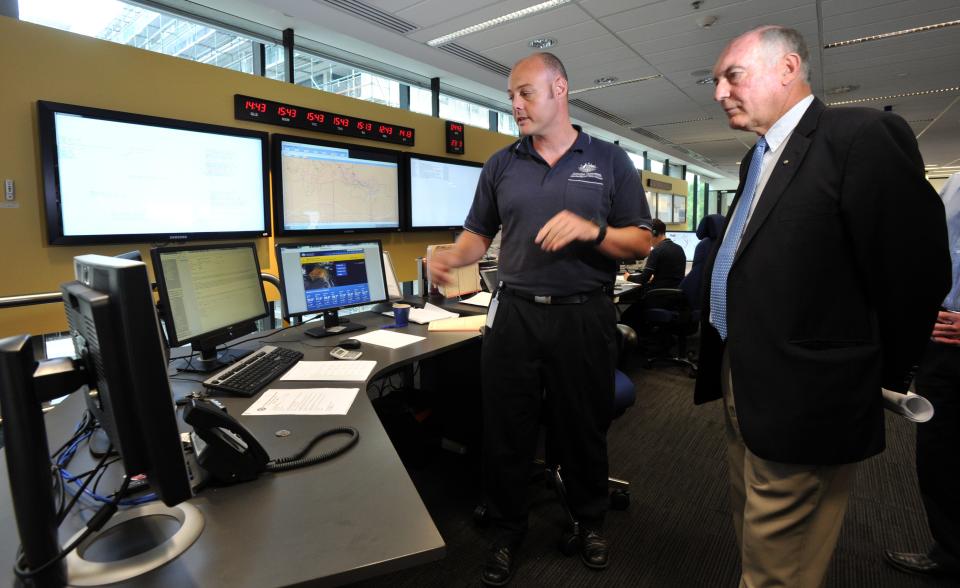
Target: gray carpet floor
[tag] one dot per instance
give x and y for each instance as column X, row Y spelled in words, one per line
column 677, row 531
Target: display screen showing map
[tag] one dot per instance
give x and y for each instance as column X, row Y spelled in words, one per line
column 325, row 187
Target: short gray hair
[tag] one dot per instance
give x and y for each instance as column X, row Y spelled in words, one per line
column 789, row 40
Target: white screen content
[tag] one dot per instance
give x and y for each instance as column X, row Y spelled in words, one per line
column 331, row 188
column 441, row 193
column 686, row 240
column 209, row 289
column 118, row 178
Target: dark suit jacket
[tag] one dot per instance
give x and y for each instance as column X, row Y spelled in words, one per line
column 833, row 291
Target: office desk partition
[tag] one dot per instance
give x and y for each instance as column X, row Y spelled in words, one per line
column 352, row 518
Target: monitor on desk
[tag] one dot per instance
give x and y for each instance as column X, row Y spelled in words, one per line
column 688, row 240
column 209, row 295
column 326, row 277
column 121, row 371
column 440, row 191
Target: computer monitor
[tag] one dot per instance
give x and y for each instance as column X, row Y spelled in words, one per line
column 113, row 177
column 688, row 240
column 325, row 277
column 209, row 295
column 326, row 187
column 121, row 371
column 440, row 191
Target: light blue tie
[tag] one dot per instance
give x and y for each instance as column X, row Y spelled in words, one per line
column 738, row 222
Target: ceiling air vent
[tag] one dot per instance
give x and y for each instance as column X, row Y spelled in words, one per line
column 599, row 112
column 651, row 135
column 374, row 15
column 476, row 58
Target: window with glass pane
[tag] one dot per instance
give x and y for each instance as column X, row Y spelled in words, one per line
column 694, row 187
column 127, row 24
column 420, row 101
column 462, row 111
column 320, row 73
column 656, row 166
column 636, row 159
column 507, row 125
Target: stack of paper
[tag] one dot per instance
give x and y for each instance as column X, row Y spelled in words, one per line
column 428, row 313
column 467, row 323
column 479, row 299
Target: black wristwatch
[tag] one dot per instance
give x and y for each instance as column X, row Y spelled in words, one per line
column 602, row 234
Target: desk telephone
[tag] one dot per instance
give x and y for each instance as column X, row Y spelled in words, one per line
column 230, row 453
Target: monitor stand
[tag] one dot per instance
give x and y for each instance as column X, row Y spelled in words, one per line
column 210, row 360
column 103, row 557
column 333, row 325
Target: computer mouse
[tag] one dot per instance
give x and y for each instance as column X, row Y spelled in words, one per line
column 349, row 344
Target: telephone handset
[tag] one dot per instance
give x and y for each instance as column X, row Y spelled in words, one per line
column 228, row 451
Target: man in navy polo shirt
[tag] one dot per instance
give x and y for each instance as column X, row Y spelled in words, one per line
column 570, row 206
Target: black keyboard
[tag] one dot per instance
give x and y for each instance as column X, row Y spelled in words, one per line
column 252, row 373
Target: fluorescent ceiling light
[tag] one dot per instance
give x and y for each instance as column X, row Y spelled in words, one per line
column 611, row 85
column 923, row 29
column 903, row 95
column 497, row 21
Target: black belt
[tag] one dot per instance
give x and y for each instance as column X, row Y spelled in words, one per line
column 571, row 299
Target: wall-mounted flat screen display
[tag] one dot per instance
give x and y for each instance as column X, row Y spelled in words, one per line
column 325, row 187
column 113, row 177
column 441, row 191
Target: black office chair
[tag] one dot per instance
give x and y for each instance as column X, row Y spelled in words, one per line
column 668, row 313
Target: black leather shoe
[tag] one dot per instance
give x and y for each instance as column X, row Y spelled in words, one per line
column 498, row 569
column 918, row 563
column 594, row 550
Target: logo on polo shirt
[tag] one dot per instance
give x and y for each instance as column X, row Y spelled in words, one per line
column 588, row 174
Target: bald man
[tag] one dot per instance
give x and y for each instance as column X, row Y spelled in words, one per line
column 570, row 206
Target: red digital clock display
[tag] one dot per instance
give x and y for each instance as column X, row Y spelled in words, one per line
column 289, row 115
column 454, row 137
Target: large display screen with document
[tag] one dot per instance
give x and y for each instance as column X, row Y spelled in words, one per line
column 325, row 187
column 112, row 177
column 441, row 191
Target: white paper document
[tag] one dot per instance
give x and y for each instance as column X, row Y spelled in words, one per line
column 428, row 313
column 479, row 299
column 303, row 401
column 389, row 339
column 331, row 371
column 911, row 406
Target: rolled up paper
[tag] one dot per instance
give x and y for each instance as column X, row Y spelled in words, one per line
column 911, row 406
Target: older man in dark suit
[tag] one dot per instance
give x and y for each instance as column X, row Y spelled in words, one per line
column 803, row 323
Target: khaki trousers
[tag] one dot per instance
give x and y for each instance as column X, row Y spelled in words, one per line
column 787, row 517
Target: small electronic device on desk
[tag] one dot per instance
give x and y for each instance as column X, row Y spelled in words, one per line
column 326, row 277
column 251, row 375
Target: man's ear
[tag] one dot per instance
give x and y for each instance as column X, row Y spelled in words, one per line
column 559, row 87
column 791, row 67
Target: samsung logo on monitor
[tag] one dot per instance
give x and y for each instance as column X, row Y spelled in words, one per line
column 177, row 237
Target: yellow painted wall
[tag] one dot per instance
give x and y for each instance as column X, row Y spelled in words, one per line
column 677, row 186
column 45, row 64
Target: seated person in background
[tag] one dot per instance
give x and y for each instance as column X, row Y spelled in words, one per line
column 666, row 264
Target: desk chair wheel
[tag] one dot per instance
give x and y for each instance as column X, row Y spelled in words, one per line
column 569, row 543
column 481, row 516
column 619, row 499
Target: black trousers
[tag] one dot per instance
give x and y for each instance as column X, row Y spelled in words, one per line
column 938, row 449
column 552, row 364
